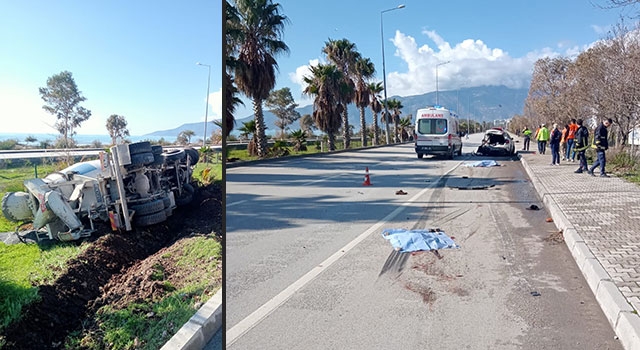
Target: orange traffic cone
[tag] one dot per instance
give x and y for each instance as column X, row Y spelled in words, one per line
column 367, row 180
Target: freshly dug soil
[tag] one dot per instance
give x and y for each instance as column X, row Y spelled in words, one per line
column 68, row 301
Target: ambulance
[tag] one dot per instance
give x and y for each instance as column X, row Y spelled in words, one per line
column 436, row 132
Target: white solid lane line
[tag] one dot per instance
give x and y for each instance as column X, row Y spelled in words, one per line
column 235, row 332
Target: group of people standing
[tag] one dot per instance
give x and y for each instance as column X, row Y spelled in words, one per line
column 572, row 140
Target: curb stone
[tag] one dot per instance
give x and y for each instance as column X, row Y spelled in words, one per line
column 201, row 327
column 622, row 317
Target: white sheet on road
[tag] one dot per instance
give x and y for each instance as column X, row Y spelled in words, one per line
column 414, row 240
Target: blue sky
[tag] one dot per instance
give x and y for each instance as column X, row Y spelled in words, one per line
column 133, row 58
column 493, row 42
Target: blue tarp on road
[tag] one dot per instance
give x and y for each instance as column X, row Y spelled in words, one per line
column 481, row 163
column 414, row 240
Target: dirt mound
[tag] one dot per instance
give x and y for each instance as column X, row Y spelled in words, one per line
column 65, row 303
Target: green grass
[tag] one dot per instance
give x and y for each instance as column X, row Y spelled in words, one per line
column 243, row 155
column 150, row 324
column 12, row 180
column 25, row 266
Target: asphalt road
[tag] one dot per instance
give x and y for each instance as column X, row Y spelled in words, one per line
column 307, row 268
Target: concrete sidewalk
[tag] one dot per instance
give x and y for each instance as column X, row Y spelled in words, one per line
column 600, row 218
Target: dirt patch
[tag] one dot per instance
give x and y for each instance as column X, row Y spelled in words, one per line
column 71, row 298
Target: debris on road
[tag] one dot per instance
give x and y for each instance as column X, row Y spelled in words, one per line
column 533, row 207
column 414, row 240
column 555, row 237
column 401, row 192
column 535, row 294
column 549, row 220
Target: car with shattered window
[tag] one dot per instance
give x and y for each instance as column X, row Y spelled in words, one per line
column 496, row 141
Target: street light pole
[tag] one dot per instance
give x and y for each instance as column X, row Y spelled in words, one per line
column 206, row 111
column 384, row 76
column 438, row 65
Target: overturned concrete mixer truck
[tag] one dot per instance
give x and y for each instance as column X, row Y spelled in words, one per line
column 130, row 185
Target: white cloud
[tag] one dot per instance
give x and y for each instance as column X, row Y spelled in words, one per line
column 600, row 30
column 215, row 105
column 297, row 78
column 472, row 63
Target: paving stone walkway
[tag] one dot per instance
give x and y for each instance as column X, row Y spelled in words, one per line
column 605, row 213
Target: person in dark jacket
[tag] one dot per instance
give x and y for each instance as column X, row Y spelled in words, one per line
column 581, row 145
column 554, row 143
column 601, row 144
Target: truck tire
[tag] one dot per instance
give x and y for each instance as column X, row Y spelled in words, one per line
column 420, row 155
column 139, row 147
column 175, row 155
column 148, row 207
column 195, row 156
column 167, row 202
column 187, row 195
column 151, row 219
column 142, row 159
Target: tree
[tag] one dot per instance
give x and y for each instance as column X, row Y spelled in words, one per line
column 259, row 28
column 307, row 125
column 232, row 36
column 300, row 138
column 364, row 70
column 284, row 107
column 30, row 139
column 405, row 123
column 326, row 84
column 117, row 128
column 396, row 109
column 248, row 131
column 62, row 99
column 184, row 137
column 344, row 55
column 374, row 95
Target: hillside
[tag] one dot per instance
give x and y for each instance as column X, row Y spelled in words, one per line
column 198, row 128
column 484, row 103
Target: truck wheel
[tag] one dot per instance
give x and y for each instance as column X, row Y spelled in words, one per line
column 195, row 156
column 148, row 208
column 142, row 159
column 151, row 219
column 156, row 149
column 139, row 147
column 187, row 195
column 167, row 202
column 420, row 155
column 175, row 155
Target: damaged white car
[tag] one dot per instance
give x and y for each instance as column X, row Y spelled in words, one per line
column 496, row 141
column 130, row 185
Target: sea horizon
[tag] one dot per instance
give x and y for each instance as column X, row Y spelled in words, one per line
column 81, row 139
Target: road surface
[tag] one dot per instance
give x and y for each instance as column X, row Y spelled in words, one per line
column 307, row 267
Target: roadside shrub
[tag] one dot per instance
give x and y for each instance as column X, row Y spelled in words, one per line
column 8, row 144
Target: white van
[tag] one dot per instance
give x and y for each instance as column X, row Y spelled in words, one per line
column 436, row 132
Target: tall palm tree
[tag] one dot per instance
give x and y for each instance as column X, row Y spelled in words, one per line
column 374, row 94
column 396, row 109
column 364, row 70
column 259, row 29
column 231, row 46
column 405, row 123
column 326, row 84
column 344, row 55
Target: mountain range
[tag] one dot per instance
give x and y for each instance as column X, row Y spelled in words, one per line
column 483, row 103
column 198, row 128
